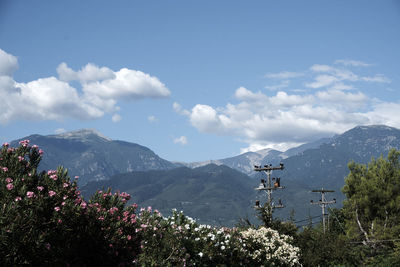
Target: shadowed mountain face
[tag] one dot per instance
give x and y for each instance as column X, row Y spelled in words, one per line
column 212, row 194
column 326, row 166
column 91, row 156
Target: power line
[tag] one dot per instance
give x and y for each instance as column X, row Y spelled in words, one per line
column 374, row 241
column 336, row 219
column 322, row 202
column 310, row 218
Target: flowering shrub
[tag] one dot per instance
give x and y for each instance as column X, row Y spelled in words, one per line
column 178, row 241
column 267, row 246
column 45, row 221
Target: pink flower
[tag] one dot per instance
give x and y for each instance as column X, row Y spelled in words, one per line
column 129, row 237
column 57, row 208
column 59, row 221
column 65, row 185
column 34, row 146
column 54, row 177
column 10, row 186
column 48, row 246
column 41, row 152
column 101, row 218
column 9, row 180
column 30, row 194
column 18, row 199
column 63, row 203
column 5, row 169
column 52, row 193
column 40, row 188
column 24, row 143
column 6, row 144
column 76, row 177
column 20, row 158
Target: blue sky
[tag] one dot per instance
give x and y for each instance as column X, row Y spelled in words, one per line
column 199, row 80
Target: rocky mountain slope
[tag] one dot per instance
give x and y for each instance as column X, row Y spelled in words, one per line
column 88, row 154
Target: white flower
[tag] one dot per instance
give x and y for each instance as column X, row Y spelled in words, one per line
column 200, row 254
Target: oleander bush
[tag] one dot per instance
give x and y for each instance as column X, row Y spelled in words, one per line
column 45, row 221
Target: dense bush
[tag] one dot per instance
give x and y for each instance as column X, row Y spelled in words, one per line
column 44, row 221
column 179, row 240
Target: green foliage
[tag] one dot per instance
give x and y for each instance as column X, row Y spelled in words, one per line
column 372, row 206
column 45, row 221
column 178, row 240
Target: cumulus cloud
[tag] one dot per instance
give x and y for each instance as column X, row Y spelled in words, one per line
column 8, row 63
column 281, row 120
column 89, row 73
column 54, row 98
column 181, row 140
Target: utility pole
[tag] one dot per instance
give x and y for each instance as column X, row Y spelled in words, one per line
column 267, row 186
column 323, row 202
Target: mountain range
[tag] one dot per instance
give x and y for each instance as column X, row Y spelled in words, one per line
column 92, row 156
column 218, row 191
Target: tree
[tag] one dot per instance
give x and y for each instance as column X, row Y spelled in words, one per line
column 373, row 202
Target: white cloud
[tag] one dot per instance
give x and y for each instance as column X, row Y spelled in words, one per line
column 349, row 62
column 285, row 120
column 283, row 84
column 152, row 118
column 8, row 63
column 178, row 109
column 89, row 73
column 334, row 76
column 377, row 78
column 127, row 84
column 59, row 131
column 322, row 81
column 181, row 140
column 55, row 99
column 284, row 75
column 116, row 118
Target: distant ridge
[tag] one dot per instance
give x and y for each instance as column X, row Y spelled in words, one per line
column 92, row 156
column 80, row 134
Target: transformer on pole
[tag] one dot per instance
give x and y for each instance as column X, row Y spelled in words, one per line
column 268, row 187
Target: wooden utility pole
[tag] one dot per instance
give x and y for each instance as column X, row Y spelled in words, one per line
column 267, row 186
column 323, row 202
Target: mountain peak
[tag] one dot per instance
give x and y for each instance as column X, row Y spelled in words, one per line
column 82, row 134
